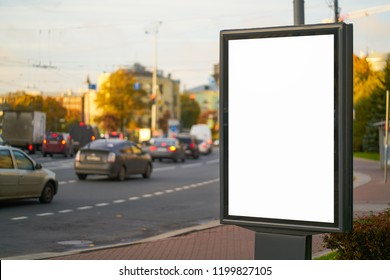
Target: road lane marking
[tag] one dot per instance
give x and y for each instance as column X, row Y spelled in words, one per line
column 45, row 214
column 19, row 218
column 186, row 187
column 102, row 204
column 212, row 161
column 72, row 181
column 158, row 193
column 65, row 211
column 164, row 168
column 84, row 207
column 62, row 182
column 192, row 165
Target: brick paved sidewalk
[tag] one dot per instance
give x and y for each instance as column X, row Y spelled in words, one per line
column 223, row 242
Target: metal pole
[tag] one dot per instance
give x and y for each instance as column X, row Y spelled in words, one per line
column 154, row 79
column 299, row 12
column 386, row 132
column 336, row 11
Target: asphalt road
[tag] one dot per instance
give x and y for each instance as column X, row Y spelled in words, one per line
column 99, row 211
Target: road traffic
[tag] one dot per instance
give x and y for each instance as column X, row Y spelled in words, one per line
column 100, row 211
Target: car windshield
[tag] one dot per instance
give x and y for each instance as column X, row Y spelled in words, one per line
column 99, row 144
column 165, row 142
column 54, row 136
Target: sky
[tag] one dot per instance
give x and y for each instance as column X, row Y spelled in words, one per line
column 54, row 45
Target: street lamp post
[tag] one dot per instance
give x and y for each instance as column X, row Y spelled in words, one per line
column 154, row 30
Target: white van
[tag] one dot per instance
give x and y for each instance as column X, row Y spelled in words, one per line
column 202, row 132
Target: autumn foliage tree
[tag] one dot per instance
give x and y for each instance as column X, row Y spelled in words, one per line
column 369, row 103
column 190, row 110
column 120, row 101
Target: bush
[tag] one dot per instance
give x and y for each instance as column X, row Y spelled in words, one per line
column 369, row 240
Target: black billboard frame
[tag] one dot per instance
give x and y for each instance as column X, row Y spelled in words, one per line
column 343, row 93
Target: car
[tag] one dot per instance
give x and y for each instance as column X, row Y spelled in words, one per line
column 57, row 143
column 82, row 134
column 21, row 177
column 205, row 146
column 115, row 158
column 202, row 132
column 190, row 144
column 167, row 148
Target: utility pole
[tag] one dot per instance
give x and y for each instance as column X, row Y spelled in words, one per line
column 336, row 11
column 154, row 30
column 299, row 12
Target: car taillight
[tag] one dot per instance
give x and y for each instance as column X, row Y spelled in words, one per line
column 152, row 148
column 30, row 147
column 111, row 157
column 192, row 145
column 172, row 148
column 77, row 158
column 210, row 141
column 44, row 141
column 204, row 145
column 63, row 142
column 93, row 138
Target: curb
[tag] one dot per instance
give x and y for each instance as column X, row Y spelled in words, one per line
column 184, row 231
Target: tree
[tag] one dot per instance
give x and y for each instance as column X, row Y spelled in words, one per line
column 190, row 110
column 370, row 107
column 55, row 115
column 365, row 80
column 23, row 101
column 117, row 97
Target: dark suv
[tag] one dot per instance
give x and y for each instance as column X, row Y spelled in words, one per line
column 190, row 145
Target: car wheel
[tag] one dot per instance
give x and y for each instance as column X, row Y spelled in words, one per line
column 82, row 176
column 148, row 171
column 121, row 174
column 47, row 193
column 44, row 154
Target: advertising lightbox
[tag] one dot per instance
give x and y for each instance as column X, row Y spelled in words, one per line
column 286, row 128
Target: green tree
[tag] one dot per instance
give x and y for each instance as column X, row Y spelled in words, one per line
column 118, row 97
column 190, row 110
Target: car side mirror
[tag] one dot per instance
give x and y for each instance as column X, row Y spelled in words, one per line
column 38, row 166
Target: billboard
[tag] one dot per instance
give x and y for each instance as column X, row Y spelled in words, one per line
column 286, row 137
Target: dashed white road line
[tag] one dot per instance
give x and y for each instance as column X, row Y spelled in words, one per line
column 19, row 218
column 65, row 211
column 132, row 198
column 45, row 214
column 84, row 207
column 102, row 204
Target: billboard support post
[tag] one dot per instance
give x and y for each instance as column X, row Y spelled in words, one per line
column 270, row 246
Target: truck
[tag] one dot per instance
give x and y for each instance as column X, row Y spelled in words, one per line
column 24, row 129
column 202, row 133
column 82, row 134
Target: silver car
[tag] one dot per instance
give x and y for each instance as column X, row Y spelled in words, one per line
column 21, row 177
column 115, row 158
